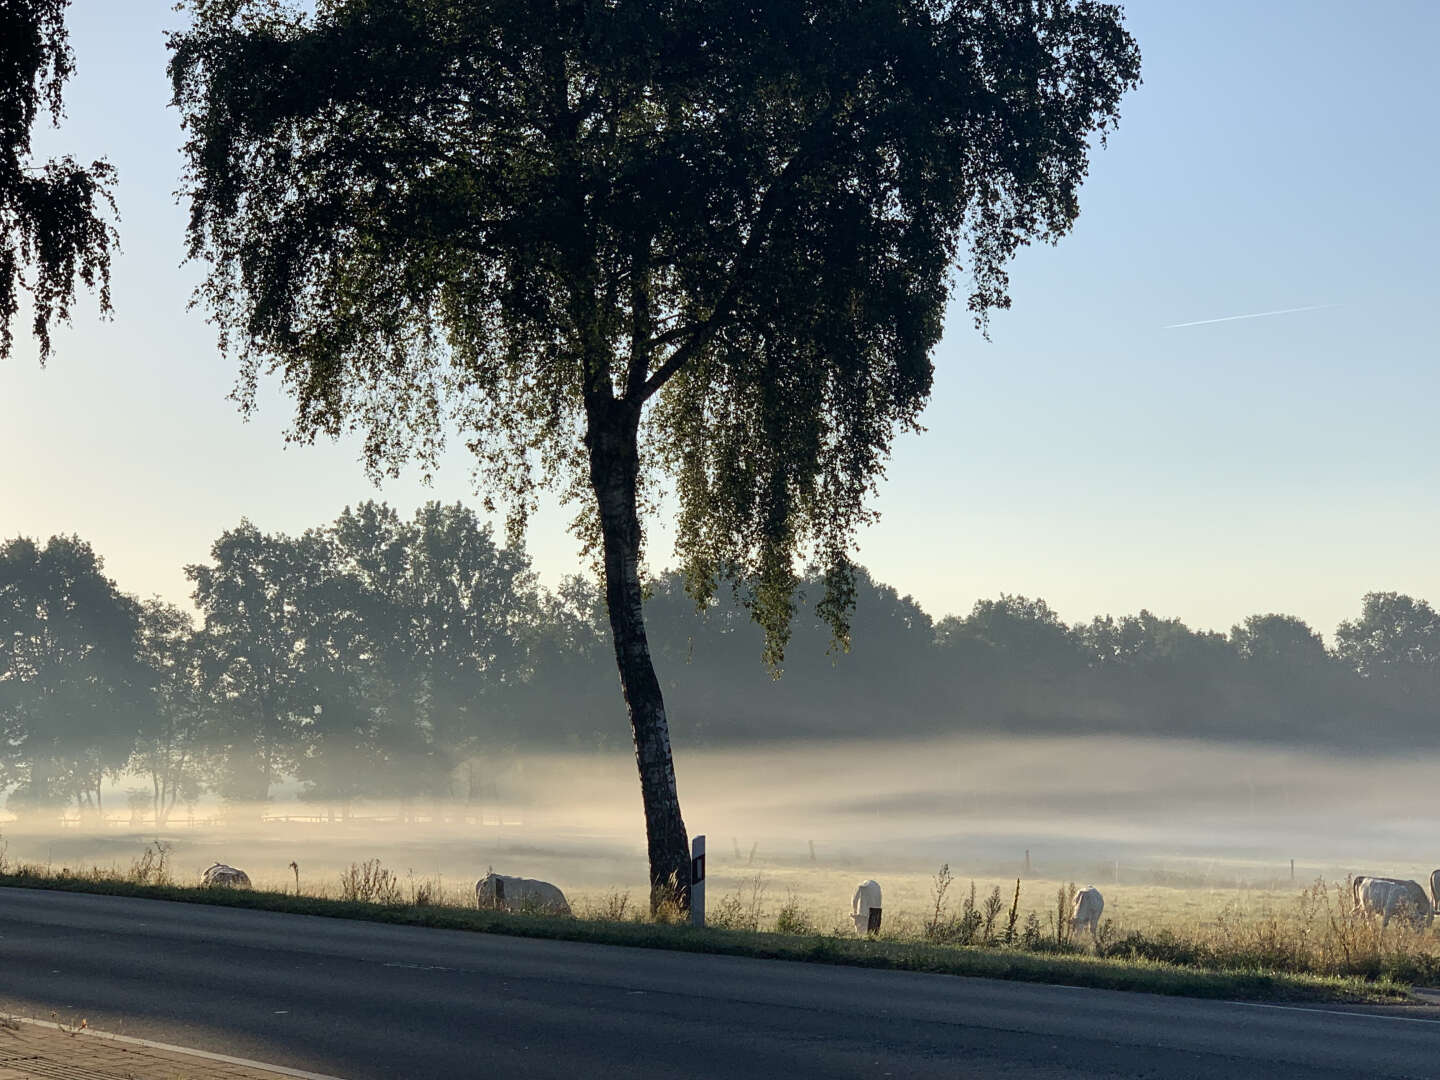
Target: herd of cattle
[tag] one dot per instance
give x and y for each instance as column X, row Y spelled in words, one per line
column 1382, row 896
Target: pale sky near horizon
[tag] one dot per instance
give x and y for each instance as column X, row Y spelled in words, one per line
column 1279, row 156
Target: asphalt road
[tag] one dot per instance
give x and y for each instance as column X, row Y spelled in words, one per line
column 362, row 1000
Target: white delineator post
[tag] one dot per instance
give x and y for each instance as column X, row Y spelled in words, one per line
column 697, row 881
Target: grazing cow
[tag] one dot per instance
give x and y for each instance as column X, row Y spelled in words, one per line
column 865, row 909
column 504, row 893
column 1387, row 897
column 225, row 877
column 1086, row 913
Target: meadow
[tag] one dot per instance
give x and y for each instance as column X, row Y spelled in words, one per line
column 1190, row 843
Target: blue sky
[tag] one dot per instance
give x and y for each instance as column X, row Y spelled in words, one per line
column 1279, row 155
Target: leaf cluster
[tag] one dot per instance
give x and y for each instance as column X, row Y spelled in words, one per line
column 53, row 224
column 743, row 220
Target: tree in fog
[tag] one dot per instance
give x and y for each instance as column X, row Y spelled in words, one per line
column 1396, row 642
column 1161, row 675
column 884, row 682
column 170, row 744
column 257, row 598
column 711, row 239
column 441, row 618
column 71, row 686
column 1286, row 680
column 53, row 227
column 1279, row 641
column 568, row 696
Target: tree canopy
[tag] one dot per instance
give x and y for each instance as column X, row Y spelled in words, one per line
column 611, row 242
column 72, row 684
column 53, row 227
column 500, row 213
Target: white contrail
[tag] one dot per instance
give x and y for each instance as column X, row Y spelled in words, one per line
column 1256, row 315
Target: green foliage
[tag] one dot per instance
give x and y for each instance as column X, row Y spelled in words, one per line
column 538, row 222
column 973, row 926
column 72, row 684
column 989, row 912
column 1014, row 915
column 414, row 658
column 383, row 648
column 1064, row 909
column 743, row 909
column 1033, row 934
column 170, row 745
column 52, row 224
column 792, row 918
column 257, row 596
column 1396, row 640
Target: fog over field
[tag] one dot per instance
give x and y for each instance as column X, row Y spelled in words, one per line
column 1152, row 811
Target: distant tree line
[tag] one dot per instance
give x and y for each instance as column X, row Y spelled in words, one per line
column 384, row 657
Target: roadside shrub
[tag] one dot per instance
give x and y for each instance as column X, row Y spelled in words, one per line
column 991, row 911
column 424, row 892
column 370, row 883
column 1163, row 946
column 614, row 906
column 1033, row 933
column 153, row 865
column 793, row 919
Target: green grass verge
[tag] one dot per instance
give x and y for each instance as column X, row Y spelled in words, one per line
column 1043, row 967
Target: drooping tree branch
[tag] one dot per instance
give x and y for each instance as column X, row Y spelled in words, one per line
column 55, row 218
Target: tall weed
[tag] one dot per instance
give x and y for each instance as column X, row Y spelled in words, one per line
column 370, row 883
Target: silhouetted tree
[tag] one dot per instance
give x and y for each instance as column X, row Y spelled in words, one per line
column 1395, row 647
column 1280, row 642
column 71, row 686
column 568, row 697
column 884, row 682
column 169, row 748
column 540, row 219
column 257, row 598
column 52, row 224
column 442, row 617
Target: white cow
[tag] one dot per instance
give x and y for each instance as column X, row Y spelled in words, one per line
column 504, row 893
column 865, row 908
column 222, row 876
column 1387, row 897
column 1086, row 913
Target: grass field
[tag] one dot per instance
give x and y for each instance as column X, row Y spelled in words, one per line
column 1190, row 843
column 1258, row 943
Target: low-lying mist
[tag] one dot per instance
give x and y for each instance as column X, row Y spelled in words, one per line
column 1093, row 808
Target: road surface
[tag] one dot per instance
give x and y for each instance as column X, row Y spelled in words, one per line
column 363, row 1000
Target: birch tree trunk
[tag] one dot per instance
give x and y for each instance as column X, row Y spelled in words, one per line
column 614, row 465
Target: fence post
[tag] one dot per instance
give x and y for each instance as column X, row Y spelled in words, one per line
column 697, row 881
